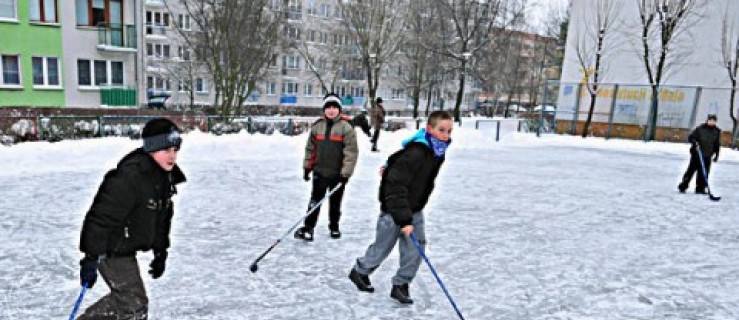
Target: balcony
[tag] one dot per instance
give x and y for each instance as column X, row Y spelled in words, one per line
column 116, row 37
column 154, row 3
column 156, row 32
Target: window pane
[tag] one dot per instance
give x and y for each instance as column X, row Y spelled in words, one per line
column 38, row 70
column 199, row 84
column 116, row 12
column 83, row 73
column 52, row 71
column 50, row 11
column 98, row 12
column 82, row 18
column 34, row 10
column 11, row 70
column 101, row 72
column 116, row 68
column 7, row 9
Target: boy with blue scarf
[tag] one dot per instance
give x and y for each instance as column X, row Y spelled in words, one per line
column 407, row 182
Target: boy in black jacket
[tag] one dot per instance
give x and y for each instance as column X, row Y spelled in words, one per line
column 707, row 137
column 131, row 212
column 407, row 182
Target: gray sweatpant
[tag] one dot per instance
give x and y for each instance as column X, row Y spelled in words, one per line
column 127, row 298
column 386, row 235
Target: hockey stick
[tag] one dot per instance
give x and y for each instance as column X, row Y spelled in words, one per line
column 705, row 176
column 254, row 267
column 441, row 284
column 79, row 301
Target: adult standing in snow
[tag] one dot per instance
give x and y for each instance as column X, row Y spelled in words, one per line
column 707, row 137
column 330, row 154
column 132, row 211
column 407, row 182
column 378, row 119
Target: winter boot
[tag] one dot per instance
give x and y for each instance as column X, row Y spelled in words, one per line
column 335, row 233
column 304, row 233
column 401, row 294
column 361, row 281
column 700, row 191
column 682, row 187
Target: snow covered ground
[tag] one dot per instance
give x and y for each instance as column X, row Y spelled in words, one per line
column 528, row 228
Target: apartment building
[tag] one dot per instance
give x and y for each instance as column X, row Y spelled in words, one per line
column 31, row 70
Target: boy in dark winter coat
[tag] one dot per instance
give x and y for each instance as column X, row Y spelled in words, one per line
column 407, row 182
column 131, row 212
column 330, row 154
column 707, row 137
column 361, row 121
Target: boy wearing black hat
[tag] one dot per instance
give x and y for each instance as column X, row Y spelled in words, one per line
column 378, row 119
column 707, row 137
column 330, row 154
column 132, row 211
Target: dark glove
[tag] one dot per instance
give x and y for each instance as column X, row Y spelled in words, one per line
column 715, row 159
column 306, row 174
column 157, row 265
column 343, row 180
column 89, row 270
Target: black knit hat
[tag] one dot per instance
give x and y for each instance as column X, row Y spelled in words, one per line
column 378, row 100
column 712, row 117
column 331, row 99
column 160, row 133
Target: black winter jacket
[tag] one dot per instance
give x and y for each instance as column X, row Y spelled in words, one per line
column 407, row 182
column 709, row 139
column 132, row 210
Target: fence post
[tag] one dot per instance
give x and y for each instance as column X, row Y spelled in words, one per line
column 576, row 111
column 613, row 109
column 497, row 130
column 290, row 126
column 698, row 92
column 543, row 106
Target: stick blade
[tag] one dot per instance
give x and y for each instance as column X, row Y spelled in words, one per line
column 714, row 198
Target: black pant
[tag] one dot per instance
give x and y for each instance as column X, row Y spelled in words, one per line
column 320, row 186
column 375, row 137
column 695, row 165
column 127, row 298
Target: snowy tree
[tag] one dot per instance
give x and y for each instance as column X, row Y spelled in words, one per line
column 730, row 59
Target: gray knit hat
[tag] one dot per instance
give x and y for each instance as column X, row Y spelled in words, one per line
column 160, row 133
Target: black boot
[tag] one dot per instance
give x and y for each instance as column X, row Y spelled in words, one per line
column 682, row 187
column 335, row 234
column 361, row 281
column 401, row 294
column 304, row 233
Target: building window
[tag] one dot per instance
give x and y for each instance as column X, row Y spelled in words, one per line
column 183, row 53
column 291, row 62
column 99, row 12
column 8, row 9
column 42, row 11
column 102, row 71
column 45, row 71
column 271, row 89
column 312, row 7
column 289, row 88
column 325, row 10
column 308, row 90
column 323, row 37
column 397, row 94
column 11, row 70
column 156, row 18
column 183, row 21
column 292, row 33
column 157, row 50
column 200, row 85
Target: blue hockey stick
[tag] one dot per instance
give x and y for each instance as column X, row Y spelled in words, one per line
column 441, row 284
column 79, row 302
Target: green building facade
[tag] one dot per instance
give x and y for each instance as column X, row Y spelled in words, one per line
column 31, row 53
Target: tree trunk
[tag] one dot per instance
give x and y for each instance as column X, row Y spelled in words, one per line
column 651, row 134
column 460, row 96
column 733, row 117
column 593, row 98
column 428, row 100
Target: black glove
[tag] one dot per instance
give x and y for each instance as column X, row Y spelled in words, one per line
column 306, row 174
column 343, row 180
column 157, row 265
column 715, row 159
column 89, row 270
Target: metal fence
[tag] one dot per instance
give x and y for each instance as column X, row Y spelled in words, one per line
column 624, row 110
